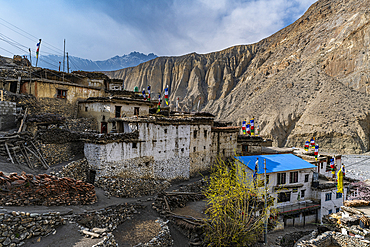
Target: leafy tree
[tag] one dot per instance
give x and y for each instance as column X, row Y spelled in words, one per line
column 235, row 213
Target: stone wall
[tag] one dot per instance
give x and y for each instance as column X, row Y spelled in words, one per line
column 18, row 226
column 161, row 152
column 131, row 187
column 109, row 217
column 7, row 115
column 330, row 238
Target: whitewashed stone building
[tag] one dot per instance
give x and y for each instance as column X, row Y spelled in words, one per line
column 175, row 147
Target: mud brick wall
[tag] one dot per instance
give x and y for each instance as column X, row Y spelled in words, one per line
column 18, row 226
column 7, row 115
column 43, row 189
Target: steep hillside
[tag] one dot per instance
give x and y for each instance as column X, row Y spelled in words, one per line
column 309, row 79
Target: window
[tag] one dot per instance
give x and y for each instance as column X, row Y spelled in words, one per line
column 336, row 210
column 204, row 147
column 118, row 111
column 182, row 150
column 205, row 133
column 267, row 179
column 195, row 149
column 134, row 145
column 62, row 94
column 136, row 110
column 294, row 177
column 339, row 195
column 283, row 197
column 330, row 211
column 85, row 108
column 302, row 193
column 165, row 131
column 327, row 196
column 306, row 178
column 281, row 178
column 295, row 190
column 195, row 134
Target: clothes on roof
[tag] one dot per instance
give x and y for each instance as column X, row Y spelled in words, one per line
column 275, row 162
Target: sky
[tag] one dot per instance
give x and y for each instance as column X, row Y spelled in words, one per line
column 99, row 30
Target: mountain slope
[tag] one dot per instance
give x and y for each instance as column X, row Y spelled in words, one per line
column 309, row 79
column 76, row 63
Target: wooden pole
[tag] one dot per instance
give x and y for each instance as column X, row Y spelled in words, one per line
column 265, row 235
column 67, row 63
column 46, row 164
column 7, row 149
column 42, row 163
column 25, row 155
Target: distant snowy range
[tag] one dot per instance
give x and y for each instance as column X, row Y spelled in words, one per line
column 76, row 63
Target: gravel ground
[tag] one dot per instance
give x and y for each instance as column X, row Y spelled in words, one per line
column 357, row 166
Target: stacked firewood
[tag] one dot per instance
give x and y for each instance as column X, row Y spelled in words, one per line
column 21, row 148
column 43, row 189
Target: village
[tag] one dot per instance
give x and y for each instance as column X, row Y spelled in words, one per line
column 69, row 140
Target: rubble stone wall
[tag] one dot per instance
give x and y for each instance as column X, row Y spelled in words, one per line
column 333, row 239
column 57, row 153
column 18, row 226
column 7, row 115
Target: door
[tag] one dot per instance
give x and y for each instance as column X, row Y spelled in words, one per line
column 104, row 128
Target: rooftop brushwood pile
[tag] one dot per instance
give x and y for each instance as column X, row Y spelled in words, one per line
column 43, row 189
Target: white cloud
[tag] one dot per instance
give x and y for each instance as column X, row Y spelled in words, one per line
column 100, row 30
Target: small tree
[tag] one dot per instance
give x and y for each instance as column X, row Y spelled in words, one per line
column 235, row 213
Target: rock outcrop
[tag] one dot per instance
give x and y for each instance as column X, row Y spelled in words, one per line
column 309, row 79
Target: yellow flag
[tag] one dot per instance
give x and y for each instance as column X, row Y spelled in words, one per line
column 340, row 181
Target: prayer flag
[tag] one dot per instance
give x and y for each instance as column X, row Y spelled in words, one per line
column 149, row 93
column 38, row 49
column 248, row 129
column 159, row 103
column 316, row 151
column 166, row 95
column 252, row 126
column 244, row 127
column 144, row 95
column 344, row 171
column 332, row 166
column 306, row 146
column 340, row 181
column 313, row 143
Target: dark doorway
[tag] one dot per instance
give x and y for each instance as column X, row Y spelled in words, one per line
column 118, row 111
column 13, row 87
column 104, row 127
column 91, row 176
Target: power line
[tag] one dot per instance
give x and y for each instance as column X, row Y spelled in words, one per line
column 7, row 51
column 45, row 43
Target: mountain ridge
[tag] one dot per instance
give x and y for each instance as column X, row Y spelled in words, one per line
column 117, row 62
column 309, row 79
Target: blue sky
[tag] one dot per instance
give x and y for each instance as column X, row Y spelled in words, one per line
column 98, row 30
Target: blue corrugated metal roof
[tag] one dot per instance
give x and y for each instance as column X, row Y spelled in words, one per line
column 275, row 162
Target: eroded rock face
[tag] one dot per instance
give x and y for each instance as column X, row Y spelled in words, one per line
column 309, row 79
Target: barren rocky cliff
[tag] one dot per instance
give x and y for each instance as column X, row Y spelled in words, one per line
column 309, row 79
